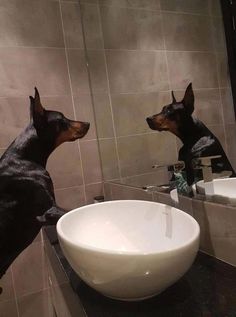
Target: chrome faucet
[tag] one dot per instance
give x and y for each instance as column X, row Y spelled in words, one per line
column 204, row 163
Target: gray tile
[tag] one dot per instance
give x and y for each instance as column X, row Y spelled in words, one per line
column 163, row 198
column 228, row 105
column 189, row 6
column 28, row 270
column 159, row 177
column 218, row 34
column 223, row 70
column 145, row 4
column 92, row 27
column 25, row 68
column 92, row 191
column 109, row 159
column 131, row 110
column 230, row 130
column 79, row 73
column 185, row 204
column 215, row 7
column 187, row 32
column 84, row 112
column 72, row 24
column 125, row 28
column 7, row 285
column 91, row 161
column 137, row 71
column 196, row 67
column 70, row 198
column 103, row 116
column 64, row 166
column 8, row 309
column 138, row 154
column 107, row 191
column 30, row 23
column 36, row 305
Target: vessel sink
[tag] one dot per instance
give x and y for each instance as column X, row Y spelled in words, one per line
column 129, row 249
column 221, row 190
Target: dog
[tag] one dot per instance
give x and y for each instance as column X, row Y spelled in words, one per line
column 197, row 139
column 27, row 200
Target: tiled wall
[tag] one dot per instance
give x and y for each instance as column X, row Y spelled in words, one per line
column 216, row 221
column 41, row 45
column 138, row 51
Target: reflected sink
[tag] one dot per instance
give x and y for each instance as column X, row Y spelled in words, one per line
column 129, row 249
column 221, row 190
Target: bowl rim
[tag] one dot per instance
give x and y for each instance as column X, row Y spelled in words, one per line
column 84, row 246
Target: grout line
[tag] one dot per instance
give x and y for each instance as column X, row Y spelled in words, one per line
column 109, row 96
column 77, row 186
column 14, row 290
column 71, row 90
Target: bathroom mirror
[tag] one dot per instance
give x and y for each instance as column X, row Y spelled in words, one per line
column 137, row 53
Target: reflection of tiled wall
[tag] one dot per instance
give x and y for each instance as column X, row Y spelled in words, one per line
column 138, row 52
column 41, row 45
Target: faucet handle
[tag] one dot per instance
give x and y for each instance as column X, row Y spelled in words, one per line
column 174, row 167
column 200, row 162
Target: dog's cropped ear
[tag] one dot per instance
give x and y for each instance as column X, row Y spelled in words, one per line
column 173, row 97
column 37, row 111
column 188, row 100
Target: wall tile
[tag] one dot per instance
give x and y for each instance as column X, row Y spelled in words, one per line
column 228, row 105
column 219, row 35
column 137, row 71
column 196, row 67
column 223, row 70
column 125, row 28
column 159, row 177
column 92, row 26
column 215, row 7
column 8, row 309
column 6, row 284
column 230, row 130
column 72, row 24
column 218, row 131
column 30, row 23
column 187, row 32
column 189, row 6
column 79, row 74
column 64, row 166
column 131, row 110
column 145, row 4
column 36, row 305
column 109, row 159
column 70, row 198
column 91, row 161
column 84, row 112
column 92, row 191
column 139, row 153
column 107, row 191
column 103, row 116
column 28, row 270
column 163, row 198
column 25, row 68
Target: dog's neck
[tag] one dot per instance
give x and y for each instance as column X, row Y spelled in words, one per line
column 30, row 147
column 191, row 131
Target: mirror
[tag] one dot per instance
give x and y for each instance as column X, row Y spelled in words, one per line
column 161, row 93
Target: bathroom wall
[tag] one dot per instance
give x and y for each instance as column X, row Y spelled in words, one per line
column 143, row 50
column 40, row 45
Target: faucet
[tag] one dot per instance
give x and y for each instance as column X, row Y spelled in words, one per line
column 204, row 163
column 176, row 167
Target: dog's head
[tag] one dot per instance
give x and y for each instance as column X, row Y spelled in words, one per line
column 174, row 115
column 52, row 126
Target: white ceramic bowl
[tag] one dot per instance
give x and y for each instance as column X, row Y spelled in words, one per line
column 221, row 190
column 129, row 249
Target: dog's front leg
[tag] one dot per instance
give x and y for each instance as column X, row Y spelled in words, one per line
column 52, row 215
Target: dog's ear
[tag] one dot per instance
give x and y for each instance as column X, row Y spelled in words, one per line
column 37, row 112
column 173, row 97
column 188, row 100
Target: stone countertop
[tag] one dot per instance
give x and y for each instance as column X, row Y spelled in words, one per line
column 208, row 289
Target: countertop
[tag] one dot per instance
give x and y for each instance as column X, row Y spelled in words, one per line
column 208, row 289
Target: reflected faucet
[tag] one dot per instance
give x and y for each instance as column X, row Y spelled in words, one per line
column 204, row 163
